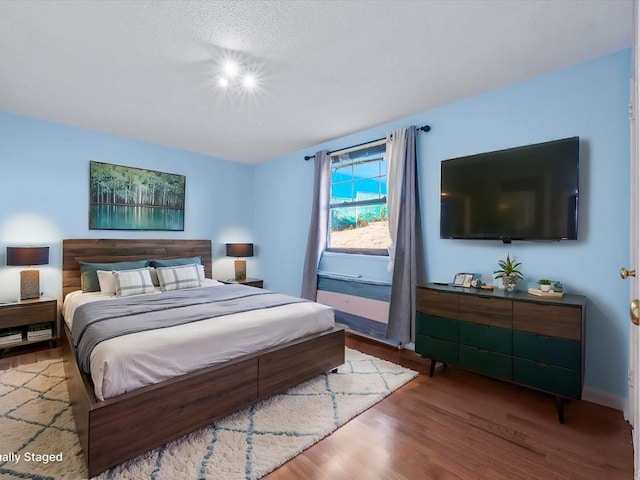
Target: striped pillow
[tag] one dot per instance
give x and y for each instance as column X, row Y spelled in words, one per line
column 177, row 278
column 133, row 282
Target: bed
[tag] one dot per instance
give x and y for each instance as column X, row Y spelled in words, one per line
column 123, row 426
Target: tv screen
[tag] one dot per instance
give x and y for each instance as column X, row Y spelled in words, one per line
column 522, row 193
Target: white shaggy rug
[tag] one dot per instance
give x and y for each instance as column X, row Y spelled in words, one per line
column 38, row 438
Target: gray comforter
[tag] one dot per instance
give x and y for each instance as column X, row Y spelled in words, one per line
column 99, row 321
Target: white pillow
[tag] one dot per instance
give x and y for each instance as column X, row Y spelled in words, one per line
column 107, row 282
column 156, row 282
column 177, row 278
column 201, row 272
column 133, row 282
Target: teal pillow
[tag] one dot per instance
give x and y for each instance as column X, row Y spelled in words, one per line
column 174, row 262
column 89, row 277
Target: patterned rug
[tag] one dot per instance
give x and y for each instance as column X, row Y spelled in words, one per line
column 38, row 438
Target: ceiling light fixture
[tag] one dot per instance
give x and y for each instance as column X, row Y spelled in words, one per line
column 236, row 75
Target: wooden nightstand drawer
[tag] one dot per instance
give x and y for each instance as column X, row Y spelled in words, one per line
column 16, row 316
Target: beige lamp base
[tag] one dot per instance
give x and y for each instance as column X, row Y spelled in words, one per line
column 240, row 266
column 29, row 284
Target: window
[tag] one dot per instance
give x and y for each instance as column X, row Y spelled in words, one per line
column 358, row 207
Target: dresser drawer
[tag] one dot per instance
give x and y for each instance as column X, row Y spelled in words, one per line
column 558, row 380
column 485, row 337
column 484, row 361
column 441, row 350
column 495, row 312
column 440, row 304
column 437, row 327
column 555, row 351
column 549, row 319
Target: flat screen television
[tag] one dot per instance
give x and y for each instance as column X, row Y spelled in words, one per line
column 523, row 193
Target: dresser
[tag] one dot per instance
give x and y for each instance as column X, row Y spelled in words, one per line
column 537, row 342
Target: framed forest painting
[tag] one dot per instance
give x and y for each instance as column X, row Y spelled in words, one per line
column 127, row 198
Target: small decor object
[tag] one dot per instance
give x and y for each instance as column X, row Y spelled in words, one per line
column 544, row 285
column 127, row 198
column 29, row 278
column 509, row 273
column 240, row 250
column 465, row 279
column 539, row 293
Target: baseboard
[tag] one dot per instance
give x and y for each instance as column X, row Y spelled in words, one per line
column 350, row 331
column 602, row 398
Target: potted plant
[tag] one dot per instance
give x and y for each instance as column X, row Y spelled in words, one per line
column 509, row 273
column 545, row 285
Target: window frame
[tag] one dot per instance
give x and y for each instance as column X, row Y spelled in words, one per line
column 356, row 203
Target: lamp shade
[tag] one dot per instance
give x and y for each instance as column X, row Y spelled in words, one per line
column 239, row 249
column 26, row 256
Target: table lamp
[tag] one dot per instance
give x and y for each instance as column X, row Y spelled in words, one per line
column 241, row 251
column 29, row 278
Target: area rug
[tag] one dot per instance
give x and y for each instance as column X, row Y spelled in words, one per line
column 38, row 438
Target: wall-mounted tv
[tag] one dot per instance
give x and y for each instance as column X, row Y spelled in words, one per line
column 523, row 193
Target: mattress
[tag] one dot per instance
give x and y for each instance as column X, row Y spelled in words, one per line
column 126, row 363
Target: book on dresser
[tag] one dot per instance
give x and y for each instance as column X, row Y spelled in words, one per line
column 39, row 331
column 10, row 336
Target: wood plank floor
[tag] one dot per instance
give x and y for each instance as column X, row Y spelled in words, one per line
column 457, row 425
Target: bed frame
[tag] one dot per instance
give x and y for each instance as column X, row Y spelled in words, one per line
column 120, row 428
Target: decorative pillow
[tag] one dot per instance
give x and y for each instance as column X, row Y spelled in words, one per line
column 201, row 273
column 174, row 262
column 133, row 282
column 176, row 278
column 89, row 277
column 107, row 282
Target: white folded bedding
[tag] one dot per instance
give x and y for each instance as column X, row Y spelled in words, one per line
column 125, row 363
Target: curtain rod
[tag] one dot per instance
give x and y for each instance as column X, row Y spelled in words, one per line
column 424, row 128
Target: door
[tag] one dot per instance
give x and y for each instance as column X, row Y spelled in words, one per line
column 633, row 403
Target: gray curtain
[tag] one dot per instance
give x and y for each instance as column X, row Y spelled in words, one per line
column 317, row 240
column 402, row 306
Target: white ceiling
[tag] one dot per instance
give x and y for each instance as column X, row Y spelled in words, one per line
column 147, row 69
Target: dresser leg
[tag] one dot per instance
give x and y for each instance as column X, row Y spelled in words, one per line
column 432, row 368
column 560, row 407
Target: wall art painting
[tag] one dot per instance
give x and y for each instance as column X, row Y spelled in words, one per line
column 128, row 198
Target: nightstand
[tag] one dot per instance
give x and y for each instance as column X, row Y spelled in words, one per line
column 251, row 282
column 28, row 322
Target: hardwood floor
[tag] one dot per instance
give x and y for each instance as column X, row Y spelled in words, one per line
column 457, row 425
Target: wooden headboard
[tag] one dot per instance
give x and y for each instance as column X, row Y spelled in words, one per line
column 94, row 250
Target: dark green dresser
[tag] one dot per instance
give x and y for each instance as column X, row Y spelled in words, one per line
column 533, row 341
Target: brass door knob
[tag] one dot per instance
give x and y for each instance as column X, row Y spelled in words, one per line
column 634, row 311
column 624, row 273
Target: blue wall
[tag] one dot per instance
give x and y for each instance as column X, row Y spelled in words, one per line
column 588, row 100
column 44, row 193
